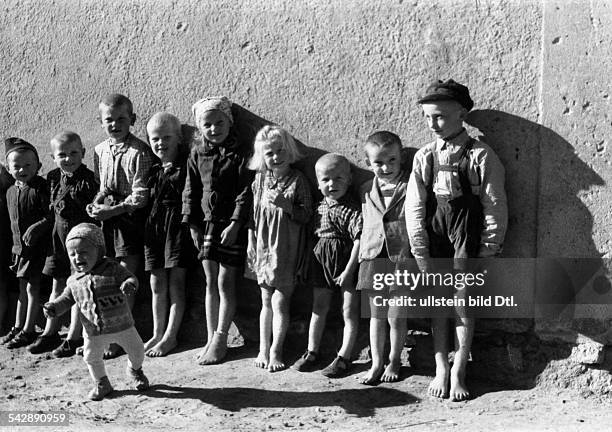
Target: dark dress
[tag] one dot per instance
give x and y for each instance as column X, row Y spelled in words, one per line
column 69, row 198
column 167, row 240
column 28, row 205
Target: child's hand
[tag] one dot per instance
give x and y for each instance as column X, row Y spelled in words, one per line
column 196, row 235
column 345, row 280
column 102, row 212
column 229, row 234
column 49, row 310
column 279, row 200
column 128, row 287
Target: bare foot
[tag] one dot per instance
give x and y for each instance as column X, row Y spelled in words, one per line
column 202, row 352
column 113, row 351
column 439, row 385
column 162, row 348
column 276, row 363
column 216, row 351
column 458, row 389
column 262, row 360
column 372, row 376
column 391, row 373
column 151, row 343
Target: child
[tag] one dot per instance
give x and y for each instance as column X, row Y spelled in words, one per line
column 28, row 206
column 166, row 238
column 99, row 287
column 338, row 225
column 464, row 181
column 277, row 244
column 383, row 245
column 217, row 202
column 121, row 162
column 72, row 186
column 6, row 180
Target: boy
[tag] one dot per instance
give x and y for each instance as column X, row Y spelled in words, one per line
column 28, row 206
column 6, row 180
column 121, row 163
column 383, row 247
column 99, row 287
column 463, row 179
column 338, row 226
column 72, row 186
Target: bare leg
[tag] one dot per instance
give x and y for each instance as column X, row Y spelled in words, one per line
column 439, row 385
column 175, row 316
column 320, row 306
column 350, row 314
column 464, row 331
column 52, row 325
column 132, row 263
column 265, row 328
column 22, row 304
column 75, row 330
column 33, row 307
column 281, row 299
column 378, row 335
column 397, row 336
column 159, row 305
column 211, row 271
column 228, row 276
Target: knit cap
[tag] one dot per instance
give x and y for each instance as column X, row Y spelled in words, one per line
column 91, row 233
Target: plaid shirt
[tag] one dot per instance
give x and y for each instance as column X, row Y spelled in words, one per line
column 103, row 308
column 122, row 170
column 338, row 219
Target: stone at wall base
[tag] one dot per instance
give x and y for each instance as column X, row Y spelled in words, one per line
column 588, row 353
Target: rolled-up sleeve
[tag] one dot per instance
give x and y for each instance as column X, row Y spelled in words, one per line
column 139, row 197
column 494, row 204
column 415, row 206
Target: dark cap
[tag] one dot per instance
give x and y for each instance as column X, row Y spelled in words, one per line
column 13, row 144
column 448, row 90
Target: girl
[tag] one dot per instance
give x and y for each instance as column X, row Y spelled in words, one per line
column 217, row 202
column 277, row 242
column 166, row 238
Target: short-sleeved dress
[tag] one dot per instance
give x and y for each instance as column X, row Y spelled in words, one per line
column 277, row 252
column 70, row 194
column 167, row 240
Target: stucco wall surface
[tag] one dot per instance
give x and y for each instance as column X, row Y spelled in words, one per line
column 331, row 72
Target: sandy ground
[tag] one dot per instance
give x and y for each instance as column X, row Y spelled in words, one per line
column 237, row 396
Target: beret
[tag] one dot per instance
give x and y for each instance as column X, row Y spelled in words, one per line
column 448, row 90
column 12, row 144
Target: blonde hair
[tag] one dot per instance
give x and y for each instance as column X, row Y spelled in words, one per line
column 266, row 135
column 162, row 119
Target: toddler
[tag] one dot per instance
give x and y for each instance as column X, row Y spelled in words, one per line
column 99, row 287
column 384, row 244
column 217, row 202
column 277, row 243
column 338, row 226
column 122, row 163
column 28, row 206
column 167, row 242
column 72, row 186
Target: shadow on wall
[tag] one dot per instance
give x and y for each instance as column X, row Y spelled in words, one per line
column 544, row 179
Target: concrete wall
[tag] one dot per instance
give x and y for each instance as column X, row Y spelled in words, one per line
column 334, row 71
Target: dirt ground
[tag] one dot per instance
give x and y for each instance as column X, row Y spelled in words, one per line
column 237, row 396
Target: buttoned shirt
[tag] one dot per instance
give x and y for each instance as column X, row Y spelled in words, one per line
column 122, row 170
column 486, row 177
column 103, row 308
column 338, row 219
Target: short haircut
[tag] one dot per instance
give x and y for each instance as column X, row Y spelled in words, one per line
column 115, row 100
column 333, row 160
column 268, row 134
column 165, row 119
column 383, row 139
column 67, row 136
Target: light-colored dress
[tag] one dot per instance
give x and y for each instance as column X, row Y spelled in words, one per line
column 277, row 252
